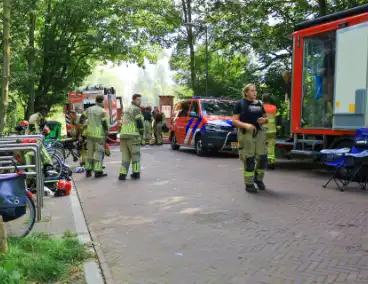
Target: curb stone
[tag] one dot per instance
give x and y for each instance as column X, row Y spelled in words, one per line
column 92, row 271
column 96, row 272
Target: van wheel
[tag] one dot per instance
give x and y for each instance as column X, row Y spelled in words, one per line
column 201, row 150
column 174, row 146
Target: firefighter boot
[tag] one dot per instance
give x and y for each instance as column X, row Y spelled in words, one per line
column 122, row 177
column 260, row 185
column 250, row 188
column 261, row 166
column 135, row 176
column 100, row 174
column 249, row 173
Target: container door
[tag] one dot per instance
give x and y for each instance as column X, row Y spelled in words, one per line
column 317, row 80
column 351, row 80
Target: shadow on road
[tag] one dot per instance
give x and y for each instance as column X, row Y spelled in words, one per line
column 212, row 155
column 270, row 193
column 305, row 166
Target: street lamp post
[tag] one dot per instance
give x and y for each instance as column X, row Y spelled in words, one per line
column 206, row 43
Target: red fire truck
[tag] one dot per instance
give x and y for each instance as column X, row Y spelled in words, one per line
column 329, row 82
column 85, row 98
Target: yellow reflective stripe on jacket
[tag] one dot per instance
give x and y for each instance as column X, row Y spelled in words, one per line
column 129, row 128
column 96, row 114
column 270, row 127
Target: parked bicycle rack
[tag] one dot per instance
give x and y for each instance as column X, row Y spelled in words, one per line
column 40, row 138
column 16, row 146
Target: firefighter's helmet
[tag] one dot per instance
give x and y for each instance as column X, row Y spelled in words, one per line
column 46, row 130
column 63, row 188
column 22, row 126
column 24, row 123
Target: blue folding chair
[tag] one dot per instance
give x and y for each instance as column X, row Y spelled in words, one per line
column 350, row 166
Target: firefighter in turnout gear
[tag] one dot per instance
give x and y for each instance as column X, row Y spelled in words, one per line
column 158, row 123
column 249, row 115
column 75, row 124
column 36, row 125
column 82, row 141
column 154, row 113
column 130, row 133
column 96, row 130
column 147, row 114
column 75, row 131
column 37, row 121
column 270, row 129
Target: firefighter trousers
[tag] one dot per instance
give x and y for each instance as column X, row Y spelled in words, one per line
column 131, row 154
column 95, row 154
column 158, row 133
column 83, row 152
column 147, row 130
column 271, row 142
column 45, row 157
column 253, row 154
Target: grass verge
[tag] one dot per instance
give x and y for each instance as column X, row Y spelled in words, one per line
column 41, row 258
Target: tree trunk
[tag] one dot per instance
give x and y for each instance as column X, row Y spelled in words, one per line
column 323, row 9
column 352, row 4
column 3, row 237
column 187, row 9
column 6, row 64
column 31, row 54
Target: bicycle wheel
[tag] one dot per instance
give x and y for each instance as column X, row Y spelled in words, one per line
column 23, row 225
column 56, row 152
column 57, row 164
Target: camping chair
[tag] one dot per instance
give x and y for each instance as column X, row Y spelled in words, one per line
column 350, row 166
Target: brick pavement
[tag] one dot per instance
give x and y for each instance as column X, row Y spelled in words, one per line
column 189, row 220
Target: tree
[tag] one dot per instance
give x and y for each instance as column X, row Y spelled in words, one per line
column 92, row 31
column 6, row 63
column 31, row 58
column 187, row 13
column 246, row 25
column 60, row 42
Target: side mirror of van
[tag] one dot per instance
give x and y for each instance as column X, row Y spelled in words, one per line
column 193, row 114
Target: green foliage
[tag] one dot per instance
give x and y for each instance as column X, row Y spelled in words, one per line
column 249, row 42
column 41, row 259
column 72, row 36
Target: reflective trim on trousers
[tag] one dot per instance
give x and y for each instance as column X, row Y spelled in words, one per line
column 259, row 175
column 248, row 177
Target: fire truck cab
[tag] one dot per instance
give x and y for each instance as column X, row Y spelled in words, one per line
column 329, row 82
column 83, row 98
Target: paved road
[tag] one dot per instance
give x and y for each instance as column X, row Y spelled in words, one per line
column 189, row 220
